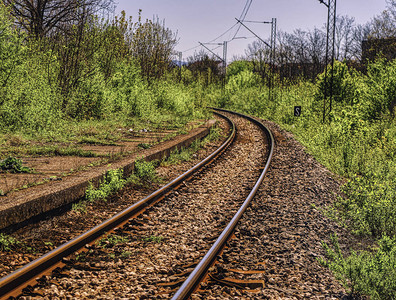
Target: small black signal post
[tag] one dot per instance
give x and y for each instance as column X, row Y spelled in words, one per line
column 297, row 111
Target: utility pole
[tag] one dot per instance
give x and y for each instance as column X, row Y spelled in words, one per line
column 330, row 41
column 272, row 49
column 272, row 58
column 223, row 60
column 180, row 65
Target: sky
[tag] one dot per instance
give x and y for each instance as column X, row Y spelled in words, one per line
column 204, row 20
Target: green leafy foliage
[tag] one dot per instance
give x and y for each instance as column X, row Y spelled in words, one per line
column 7, row 243
column 145, row 170
column 10, row 46
column 153, row 239
column 87, row 74
column 242, row 80
column 112, row 182
column 379, row 96
column 238, row 66
column 358, row 142
column 372, row 274
column 13, row 165
column 344, row 86
column 370, row 205
column 112, row 240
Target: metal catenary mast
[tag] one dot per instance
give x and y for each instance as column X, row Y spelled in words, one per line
column 329, row 59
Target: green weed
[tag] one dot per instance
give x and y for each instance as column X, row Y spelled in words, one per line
column 177, row 157
column 153, row 239
column 112, row 182
column 59, row 151
column 7, row 243
column 112, row 240
column 96, row 141
column 80, row 206
column 145, row 171
column 185, row 154
column 13, row 165
column 371, row 274
column 126, row 254
column 144, row 146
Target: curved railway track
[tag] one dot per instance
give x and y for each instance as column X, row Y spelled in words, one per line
column 125, row 229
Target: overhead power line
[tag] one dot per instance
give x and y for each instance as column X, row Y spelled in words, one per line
column 254, row 33
column 243, row 15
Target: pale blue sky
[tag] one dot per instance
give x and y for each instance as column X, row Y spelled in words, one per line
column 204, row 20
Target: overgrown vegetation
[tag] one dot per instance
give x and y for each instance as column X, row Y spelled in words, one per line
column 83, row 80
column 7, row 243
column 144, row 172
column 370, row 273
column 153, row 239
column 112, row 182
column 358, row 142
column 185, row 154
column 87, row 72
column 13, row 165
column 112, row 240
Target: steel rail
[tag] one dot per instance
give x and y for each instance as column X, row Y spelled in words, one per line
column 191, row 284
column 14, row 283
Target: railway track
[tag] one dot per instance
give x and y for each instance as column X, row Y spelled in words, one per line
column 142, row 251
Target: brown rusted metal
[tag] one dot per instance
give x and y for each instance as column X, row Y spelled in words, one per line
column 14, row 283
column 200, row 272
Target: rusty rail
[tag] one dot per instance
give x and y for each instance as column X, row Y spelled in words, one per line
column 14, row 283
column 191, row 284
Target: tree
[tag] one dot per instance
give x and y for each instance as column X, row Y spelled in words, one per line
column 259, row 54
column 42, row 17
column 204, row 68
column 384, row 25
column 343, row 37
column 153, row 46
column 10, row 47
column 316, row 42
column 359, row 34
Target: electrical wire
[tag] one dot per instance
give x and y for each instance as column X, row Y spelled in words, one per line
column 242, row 17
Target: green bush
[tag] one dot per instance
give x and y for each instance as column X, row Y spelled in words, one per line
column 238, row 66
column 145, row 170
column 242, row 80
column 370, row 203
column 11, row 46
column 344, row 84
column 379, row 96
column 367, row 273
column 112, row 182
column 13, row 165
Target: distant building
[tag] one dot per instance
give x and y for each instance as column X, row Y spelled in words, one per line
column 373, row 47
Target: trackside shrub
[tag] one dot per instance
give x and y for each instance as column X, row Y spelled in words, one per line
column 13, row 165
column 367, row 273
column 112, row 182
column 344, row 85
column 145, row 170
